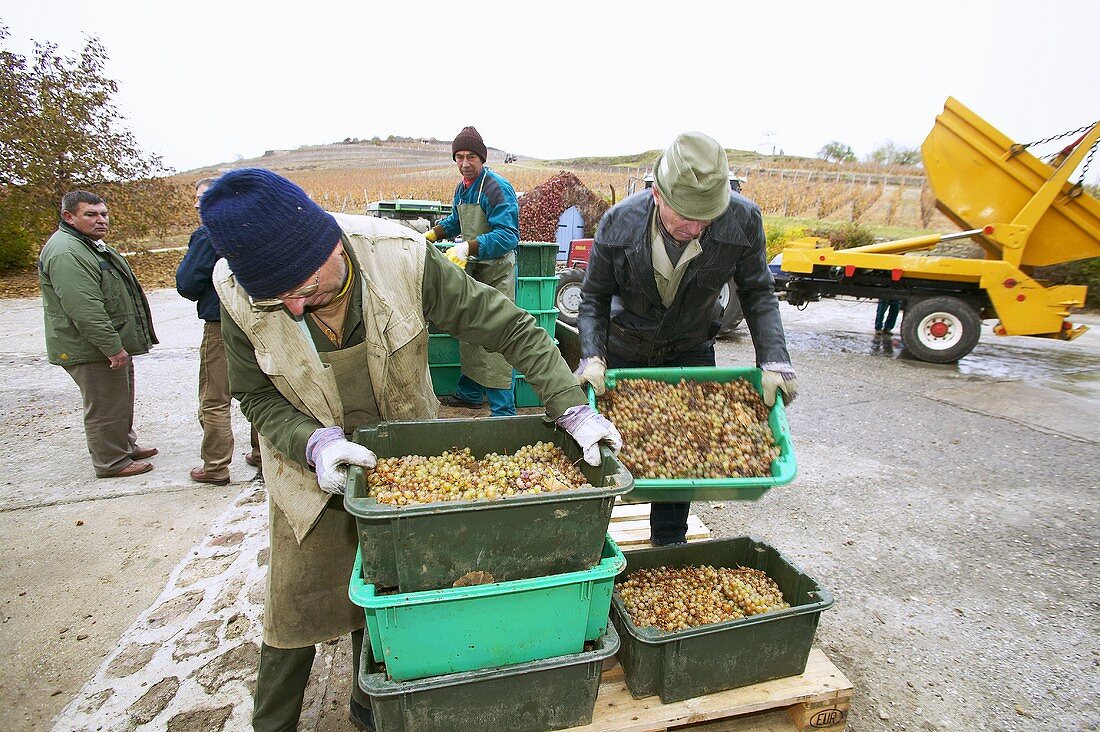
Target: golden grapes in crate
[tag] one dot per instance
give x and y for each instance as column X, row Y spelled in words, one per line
column 457, row 476
column 693, row 429
column 678, row 598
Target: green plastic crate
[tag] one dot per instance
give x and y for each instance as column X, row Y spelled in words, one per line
column 784, row 467
column 536, row 258
column 525, row 395
column 687, row 663
column 421, row 634
column 444, row 377
column 549, row 694
column 429, row 546
column 442, row 349
column 546, row 319
column 536, row 293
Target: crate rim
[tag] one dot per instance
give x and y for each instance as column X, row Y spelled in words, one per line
column 608, row 566
column 369, row 509
column 376, row 684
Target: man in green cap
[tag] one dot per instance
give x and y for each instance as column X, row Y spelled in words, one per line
column 657, row 266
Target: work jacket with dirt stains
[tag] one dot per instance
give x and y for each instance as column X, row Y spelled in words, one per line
column 286, row 392
column 621, row 311
column 92, row 304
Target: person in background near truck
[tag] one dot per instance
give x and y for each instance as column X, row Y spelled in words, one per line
column 97, row 320
column 656, row 268
column 193, row 281
column 886, row 315
column 324, row 318
column 486, row 214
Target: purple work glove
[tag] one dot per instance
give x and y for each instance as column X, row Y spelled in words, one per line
column 588, row 427
column 330, row 452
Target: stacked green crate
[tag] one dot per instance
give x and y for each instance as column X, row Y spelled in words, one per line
column 528, row 645
column 536, row 284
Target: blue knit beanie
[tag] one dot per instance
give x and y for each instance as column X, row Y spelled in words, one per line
column 269, row 230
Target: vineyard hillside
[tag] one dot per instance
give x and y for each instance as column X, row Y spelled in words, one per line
column 803, row 193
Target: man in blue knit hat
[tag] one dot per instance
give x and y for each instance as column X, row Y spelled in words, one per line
column 324, row 322
column 486, row 215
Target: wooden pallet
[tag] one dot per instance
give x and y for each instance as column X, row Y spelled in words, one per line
column 818, row 699
column 629, row 526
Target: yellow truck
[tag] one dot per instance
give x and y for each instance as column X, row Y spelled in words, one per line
column 1022, row 211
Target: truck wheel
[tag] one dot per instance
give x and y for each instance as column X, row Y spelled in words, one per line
column 940, row 329
column 729, row 309
column 567, row 298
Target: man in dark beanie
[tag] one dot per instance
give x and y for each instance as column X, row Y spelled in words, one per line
column 655, row 271
column 486, row 214
column 324, row 322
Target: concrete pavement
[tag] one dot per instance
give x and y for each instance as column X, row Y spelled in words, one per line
column 136, row 603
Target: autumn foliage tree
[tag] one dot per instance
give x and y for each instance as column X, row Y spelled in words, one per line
column 59, row 131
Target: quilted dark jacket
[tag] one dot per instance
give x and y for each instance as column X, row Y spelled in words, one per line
column 621, row 311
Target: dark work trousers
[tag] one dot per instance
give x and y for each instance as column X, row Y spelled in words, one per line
column 668, row 522
column 108, row 396
column 285, row 671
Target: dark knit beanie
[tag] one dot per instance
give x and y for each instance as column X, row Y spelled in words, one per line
column 269, row 230
column 469, row 139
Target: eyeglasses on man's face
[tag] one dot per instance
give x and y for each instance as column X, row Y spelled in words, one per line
column 267, row 303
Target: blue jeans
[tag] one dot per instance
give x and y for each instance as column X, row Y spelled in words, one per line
column 885, row 320
column 502, row 402
column 668, row 522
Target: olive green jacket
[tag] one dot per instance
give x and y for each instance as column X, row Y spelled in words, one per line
column 287, row 392
column 92, row 304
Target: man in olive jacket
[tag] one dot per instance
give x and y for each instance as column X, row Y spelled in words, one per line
column 97, row 319
column 324, row 318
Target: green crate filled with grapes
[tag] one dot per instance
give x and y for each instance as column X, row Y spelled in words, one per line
column 706, row 616
column 479, row 500
column 697, row 433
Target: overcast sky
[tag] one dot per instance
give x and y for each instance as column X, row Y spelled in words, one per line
column 208, row 82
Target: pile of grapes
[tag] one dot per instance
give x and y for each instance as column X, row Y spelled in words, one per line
column 678, row 598
column 457, row 476
column 693, row 429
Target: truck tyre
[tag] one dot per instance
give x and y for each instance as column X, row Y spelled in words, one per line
column 729, row 310
column 940, row 329
column 567, row 298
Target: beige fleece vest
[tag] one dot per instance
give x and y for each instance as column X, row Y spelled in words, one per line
column 391, row 261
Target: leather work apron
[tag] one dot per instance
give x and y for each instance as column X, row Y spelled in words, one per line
column 307, row 589
column 490, row 370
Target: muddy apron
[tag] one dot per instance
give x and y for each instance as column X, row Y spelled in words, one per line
column 488, row 369
column 307, row 591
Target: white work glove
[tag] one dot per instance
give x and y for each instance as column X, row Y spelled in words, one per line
column 589, row 428
column 778, row 376
column 458, row 254
column 592, row 370
column 330, row 453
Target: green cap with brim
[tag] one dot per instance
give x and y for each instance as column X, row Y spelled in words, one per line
column 692, row 176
